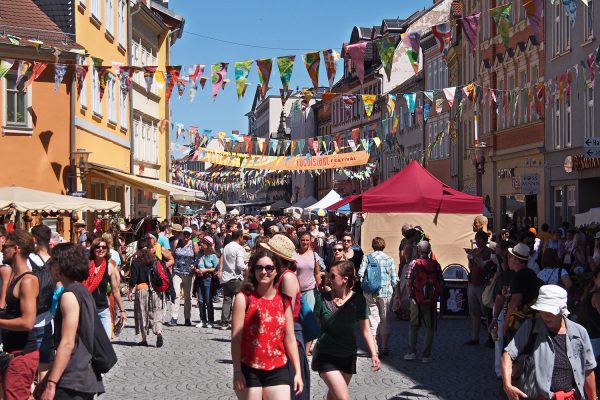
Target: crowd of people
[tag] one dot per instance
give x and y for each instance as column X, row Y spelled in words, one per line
column 292, row 291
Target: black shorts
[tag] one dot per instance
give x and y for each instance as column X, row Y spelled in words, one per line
column 327, row 363
column 259, row 378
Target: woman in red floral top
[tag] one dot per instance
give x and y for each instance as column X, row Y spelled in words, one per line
column 262, row 335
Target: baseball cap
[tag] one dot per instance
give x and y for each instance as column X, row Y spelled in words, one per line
column 187, row 229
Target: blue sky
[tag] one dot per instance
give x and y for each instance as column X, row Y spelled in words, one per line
column 313, row 25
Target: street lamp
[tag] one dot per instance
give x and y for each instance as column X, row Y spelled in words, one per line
column 477, row 153
column 80, row 160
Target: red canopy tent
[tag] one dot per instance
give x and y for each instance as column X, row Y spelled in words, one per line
column 415, row 190
column 416, row 197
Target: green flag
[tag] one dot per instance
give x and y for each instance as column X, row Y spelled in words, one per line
column 5, row 66
column 386, row 48
column 501, row 17
column 286, row 65
column 242, row 69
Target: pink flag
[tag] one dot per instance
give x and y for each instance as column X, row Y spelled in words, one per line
column 357, row 54
column 470, row 27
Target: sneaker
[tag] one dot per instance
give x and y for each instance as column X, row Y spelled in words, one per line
column 425, row 359
column 188, row 322
column 410, row 357
column 159, row 341
column 225, row 326
column 201, row 325
column 173, row 322
column 472, row 342
column 209, row 325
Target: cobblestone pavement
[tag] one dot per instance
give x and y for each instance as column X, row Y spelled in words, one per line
column 196, row 364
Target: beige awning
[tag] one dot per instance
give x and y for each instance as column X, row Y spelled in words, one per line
column 24, row 199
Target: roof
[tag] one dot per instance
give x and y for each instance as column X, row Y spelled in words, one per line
column 392, row 25
column 426, row 195
column 173, row 20
column 17, row 16
column 60, row 11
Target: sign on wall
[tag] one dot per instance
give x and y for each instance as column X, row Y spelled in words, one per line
column 530, row 184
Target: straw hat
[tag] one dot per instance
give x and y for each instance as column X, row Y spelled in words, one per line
column 176, row 228
column 282, row 246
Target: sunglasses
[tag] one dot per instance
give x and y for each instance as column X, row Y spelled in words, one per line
column 347, row 240
column 338, row 249
column 268, row 268
column 101, row 247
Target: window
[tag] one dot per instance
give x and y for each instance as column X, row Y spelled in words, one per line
column 96, row 10
column 109, row 9
column 556, row 32
column 556, row 126
column 511, row 102
column 523, row 98
column 500, row 105
column 122, row 23
column 562, row 30
column 558, row 205
column 534, row 79
column 97, row 103
column 84, row 93
column 589, row 110
column 16, row 113
column 123, row 111
column 567, row 121
column 588, row 21
column 111, row 94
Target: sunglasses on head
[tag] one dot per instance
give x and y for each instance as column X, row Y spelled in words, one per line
column 268, row 268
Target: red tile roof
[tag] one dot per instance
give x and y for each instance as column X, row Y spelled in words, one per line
column 25, row 20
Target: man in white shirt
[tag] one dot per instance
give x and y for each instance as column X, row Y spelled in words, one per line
column 232, row 265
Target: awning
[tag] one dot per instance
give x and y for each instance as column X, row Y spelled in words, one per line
column 24, row 199
column 343, row 202
column 330, row 198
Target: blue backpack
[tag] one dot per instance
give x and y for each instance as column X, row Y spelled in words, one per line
column 371, row 282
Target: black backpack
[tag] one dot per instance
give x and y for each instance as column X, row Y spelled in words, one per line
column 47, row 286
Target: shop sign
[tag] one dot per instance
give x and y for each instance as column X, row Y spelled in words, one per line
column 502, row 173
column 581, row 163
column 530, row 184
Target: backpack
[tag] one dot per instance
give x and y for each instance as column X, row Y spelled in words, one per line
column 426, row 282
column 159, row 279
column 103, row 354
column 371, row 282
column 47, row 285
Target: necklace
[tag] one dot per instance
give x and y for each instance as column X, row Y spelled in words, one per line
column 339, row 300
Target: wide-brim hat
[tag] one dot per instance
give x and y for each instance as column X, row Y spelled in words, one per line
column 282, row 246
column 176, row 228
column 520, row 251
column 552, row 299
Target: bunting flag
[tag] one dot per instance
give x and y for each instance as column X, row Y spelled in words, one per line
column 242, row 70
column 218, row 78
column 501, row 16
column 426, row 111
column 439, row 106
column 5, row 66
column 194, row 73
column 286, row 66
column 15, row 40
column 149, row 76
column 395, row 123
column 80, row 74
column 470, row 26
column 181, row 84
column 203, row 80
column 592, row 63
column 38, row 68
column 264, row 67
column 410, row 101
column 312, row 61
column 534, row 9
column 348, row 103
column 391, row 105
column 357, row 55
column 331, row 58
column 125, row 76
column 540, row 93
column 59, row 73
column 285, row 95
column 368, row 102
column 443, row 35
column 103, row 72
column 386, row 48
column 21, row 71
column 412, row 41
column 306, row 95
column 570, row 7
column 429, row 94
column 172, row 79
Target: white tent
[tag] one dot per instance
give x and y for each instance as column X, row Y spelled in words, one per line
column 235, row 211
column 330, row 198
column 300, row 205
column 589, row 217
column 277, row 206
column 24, row 199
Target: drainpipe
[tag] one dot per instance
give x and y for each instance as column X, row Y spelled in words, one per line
column 130, row 15
column 73, row 170
column 168, row 117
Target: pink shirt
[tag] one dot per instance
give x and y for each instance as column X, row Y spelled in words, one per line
column 306, row 270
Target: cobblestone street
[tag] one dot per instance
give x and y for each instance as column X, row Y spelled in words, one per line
column 196, row 364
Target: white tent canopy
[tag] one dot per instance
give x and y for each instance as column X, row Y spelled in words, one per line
column 305, row 202
column 277, row 206
column 589, row 217
column 24, row 199
column 330, row 198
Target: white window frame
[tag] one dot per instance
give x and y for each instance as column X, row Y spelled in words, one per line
column 109, row 10
column 96, row 9
column 25, row 127
column 535, row 76
column 83, row 95
column 511, row 114
column 96, row 102
column 500, row 104
column 556, row 124
column 111, row 97
column 588, row 21
column 122, row 23
column 123, row 110
column 568, row 132
column 523, row 97
column 589, row 110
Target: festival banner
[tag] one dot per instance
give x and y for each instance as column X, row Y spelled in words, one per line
column 410, row 101
column 172, row 79
column 501, row 16
column 103, row 72
column 149, row 72
column 312, row 62
column 59, row 73
column 21, row 71
column 534, row 9
column 386, row 48
column 443, row 35
column 368, row 101
column 38, row 68
column 470, row 26
column 286, row 66
column 357, row 55
column 125, row 76
column 264, row 67
column 5, row 66
column 242, row 70
column 194, row 73
column 331, row 58
column 281, row 163
column 412, row 42
column 218, row 78
column 391, row 105
column 80, row 74
column 181, row 84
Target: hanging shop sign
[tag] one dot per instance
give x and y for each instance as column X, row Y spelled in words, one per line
column 282, row 163
column 505, row 173
column 581, row 163
column 530, row 184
